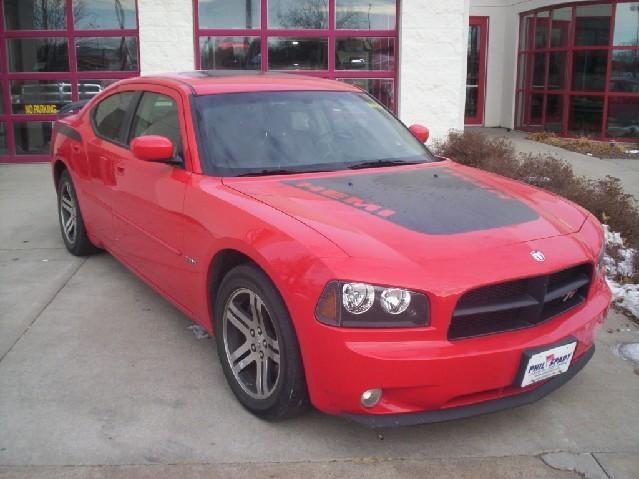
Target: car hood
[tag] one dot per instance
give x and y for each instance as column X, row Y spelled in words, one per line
column 433, row 210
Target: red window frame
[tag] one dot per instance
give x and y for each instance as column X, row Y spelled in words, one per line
column 482, row 23
column 72, row 75
column 525, row 91
column 332, row 33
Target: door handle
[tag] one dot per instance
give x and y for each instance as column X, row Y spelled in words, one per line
column 119, row 169
column 76, row 148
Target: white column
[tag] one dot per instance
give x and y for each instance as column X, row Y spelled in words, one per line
column 166, row 36
column 432, row 73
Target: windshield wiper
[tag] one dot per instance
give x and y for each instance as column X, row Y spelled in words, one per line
column 277, row 172
column 381, row 164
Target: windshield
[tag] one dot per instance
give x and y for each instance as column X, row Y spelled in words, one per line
column 244, row 134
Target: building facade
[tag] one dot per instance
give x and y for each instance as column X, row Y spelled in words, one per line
column 570, row 68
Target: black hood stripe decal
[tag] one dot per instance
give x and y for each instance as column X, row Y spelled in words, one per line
column 430, row 200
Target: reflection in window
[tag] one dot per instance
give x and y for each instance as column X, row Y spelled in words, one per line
column 627, row 25
column 365, row 54
column 593, row 25
column 39, row 97
column 286, row 53
column 87, row 89
column 624, row 76
column 3, row 138
column 536, row 109
column 365, row 14
column 38, row 55
column 556, row 70
column 110, row 113
column 586, row 114
column 35, row 15
column 107, row 53
column 229, row 14
column 589, row 70
column 158, row 115
column 1, row 100
column 542, row 27
column 561, row 19
column 104, row 14
column 380, row 88
column 32, row 137
column 232, row 53
column 298, row 14
column 539, row 71
column 554, row 111
column 623, row 120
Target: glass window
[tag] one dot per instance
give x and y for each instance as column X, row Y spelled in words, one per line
column 593, row 25
column 32, row 137
column 554, row 112
column 104, row 15
column 589, row 70
column 109, row 115
column 624, row 75
column 3, row 138
column 233, row 53
column 539, row 71
column 383, row 89
column 365, row 14
column 158, row 115
column 627, row 25
column 556, row 70
column 39, row 97
column 525, row 30
column 286, row 53
column 229, row 14
column 107, row 53
column 561, row 19
column 299, row 131
column 623, row 117
column 35, row 14
column 536, row 108
column 542, row 27
column 298, row 14
column 586, row 115
column 1, row 99
column 87, row 89
column 38, row 55
column 365, row 54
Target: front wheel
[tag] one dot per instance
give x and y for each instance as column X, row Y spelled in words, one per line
column 257, row 345
column 72, row 227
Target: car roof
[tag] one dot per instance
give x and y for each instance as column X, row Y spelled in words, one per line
column 203, row 82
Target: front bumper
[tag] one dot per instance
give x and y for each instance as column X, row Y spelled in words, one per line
column 477, row 409
column 427, row 379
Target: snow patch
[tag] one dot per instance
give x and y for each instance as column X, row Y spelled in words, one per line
column 624, row 295
column 198, row 331
column 628, row 351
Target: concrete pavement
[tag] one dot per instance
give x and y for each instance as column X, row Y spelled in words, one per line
column 99, row 377
column 626, row 170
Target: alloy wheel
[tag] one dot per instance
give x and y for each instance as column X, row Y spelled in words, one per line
column 251, row 344
column 68, row 213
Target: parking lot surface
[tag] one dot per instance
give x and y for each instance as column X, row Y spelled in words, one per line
column 100, row 377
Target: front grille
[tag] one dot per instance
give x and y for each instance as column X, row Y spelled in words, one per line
column 518, row 304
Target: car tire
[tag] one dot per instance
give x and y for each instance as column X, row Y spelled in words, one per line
column 72, row 227
column 259, row 351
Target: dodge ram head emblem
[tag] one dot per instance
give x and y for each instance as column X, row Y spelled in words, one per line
column 538, row 256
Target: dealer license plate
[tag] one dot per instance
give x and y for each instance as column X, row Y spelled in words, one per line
column 548, row 363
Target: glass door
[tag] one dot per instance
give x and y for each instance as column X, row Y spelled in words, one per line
column 476, row 70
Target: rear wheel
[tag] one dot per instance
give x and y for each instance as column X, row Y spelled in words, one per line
column 257, row 345
column 72, row 227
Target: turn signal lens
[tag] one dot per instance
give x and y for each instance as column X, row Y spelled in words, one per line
column 395, row 301
column 357, row 298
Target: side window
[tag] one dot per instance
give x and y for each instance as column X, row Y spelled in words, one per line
column 110, row 113
column 158, row 115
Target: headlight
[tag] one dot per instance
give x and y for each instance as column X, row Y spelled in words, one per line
column 361, row 305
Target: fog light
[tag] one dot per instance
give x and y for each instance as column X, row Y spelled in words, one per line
column 371, row 397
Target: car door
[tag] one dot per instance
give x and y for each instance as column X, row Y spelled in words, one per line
column 148, row 196
column 103, row 149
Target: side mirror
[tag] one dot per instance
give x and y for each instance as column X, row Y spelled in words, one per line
column 420, row 132
column 152, row 148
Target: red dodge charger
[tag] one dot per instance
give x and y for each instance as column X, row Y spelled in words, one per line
column 336, row 260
